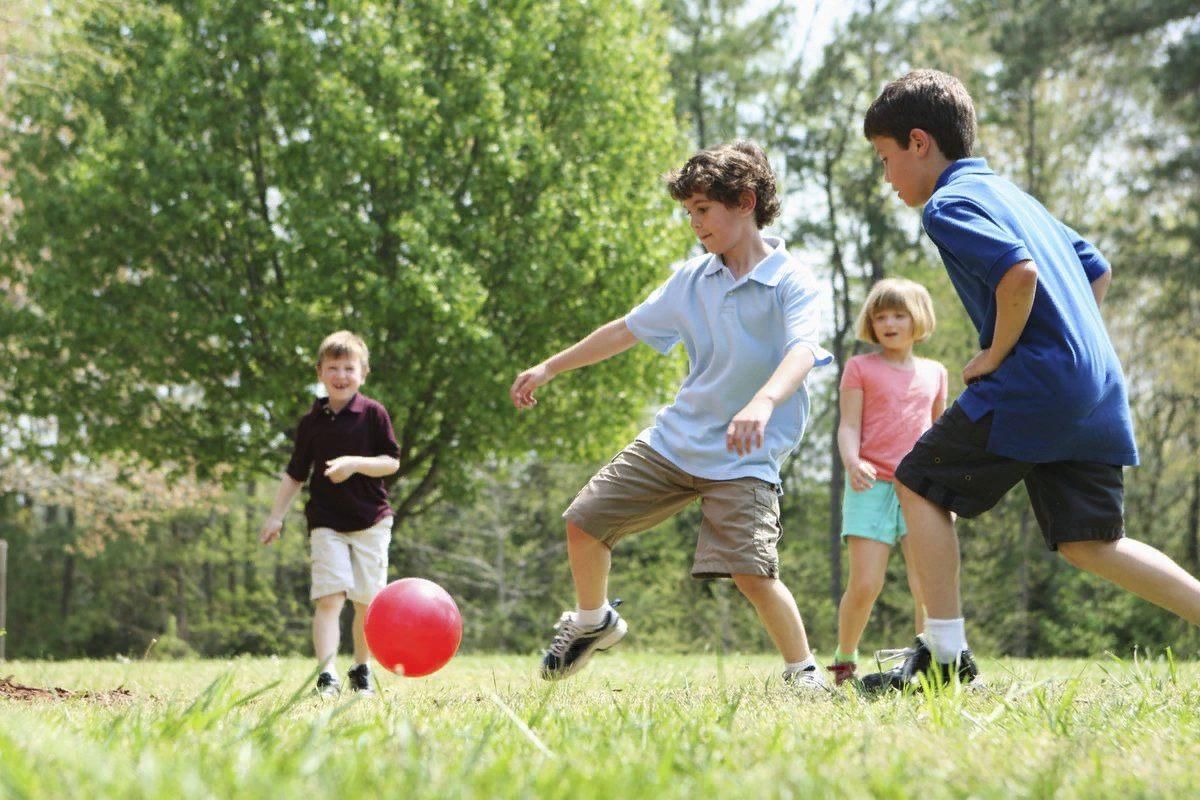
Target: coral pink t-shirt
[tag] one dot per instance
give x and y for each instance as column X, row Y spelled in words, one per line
column 897, row 406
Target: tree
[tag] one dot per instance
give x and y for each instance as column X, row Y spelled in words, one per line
column 210, row 187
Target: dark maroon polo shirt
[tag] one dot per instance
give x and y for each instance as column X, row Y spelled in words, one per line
column 362, row 428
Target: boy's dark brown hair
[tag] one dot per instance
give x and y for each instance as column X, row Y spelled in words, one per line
column 723, row 173
column 933, row 101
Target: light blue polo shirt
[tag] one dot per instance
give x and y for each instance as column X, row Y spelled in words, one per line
column 736, row 333
column 1060, row 394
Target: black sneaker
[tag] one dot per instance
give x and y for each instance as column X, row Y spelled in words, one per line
column 918, row 662
column 573, row 645
column 328, row 685
column 360, row 680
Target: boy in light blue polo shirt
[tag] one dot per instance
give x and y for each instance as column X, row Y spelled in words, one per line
column 747, row 314
column 1045, row 401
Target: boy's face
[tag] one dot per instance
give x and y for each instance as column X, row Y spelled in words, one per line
column 911, row 171
column 719, row 227
column 341, row 377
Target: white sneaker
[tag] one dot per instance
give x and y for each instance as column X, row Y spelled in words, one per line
column 328, row 685
column 808, row 681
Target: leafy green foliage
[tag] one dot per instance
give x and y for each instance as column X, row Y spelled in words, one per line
column 215, row 186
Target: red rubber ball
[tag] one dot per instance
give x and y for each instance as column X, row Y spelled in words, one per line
column 413, row 627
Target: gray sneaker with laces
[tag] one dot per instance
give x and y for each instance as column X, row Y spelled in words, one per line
column 574, row 645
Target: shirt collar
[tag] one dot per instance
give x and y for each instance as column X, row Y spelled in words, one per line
column 355, row 406
column 768, row 272
column 963, row 166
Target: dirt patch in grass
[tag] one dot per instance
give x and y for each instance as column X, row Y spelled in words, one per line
column 9, row 690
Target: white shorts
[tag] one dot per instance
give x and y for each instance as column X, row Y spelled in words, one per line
column 354, row 562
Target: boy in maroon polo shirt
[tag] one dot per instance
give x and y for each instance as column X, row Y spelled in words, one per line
column 349, row 438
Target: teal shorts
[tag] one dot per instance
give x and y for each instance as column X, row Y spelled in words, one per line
column 873, row 514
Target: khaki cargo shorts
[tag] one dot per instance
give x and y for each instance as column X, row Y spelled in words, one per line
column 354, row 563
column 639, row 488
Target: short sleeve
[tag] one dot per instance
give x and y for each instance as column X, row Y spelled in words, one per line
column 656, row 319
column 300, row 464
column 975, row 240
column 852, row 377
column 382, row 435
column 1094, row 264
column 802, row 318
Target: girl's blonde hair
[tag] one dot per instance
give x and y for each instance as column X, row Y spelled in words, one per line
column 897, row 294
column 341, row 344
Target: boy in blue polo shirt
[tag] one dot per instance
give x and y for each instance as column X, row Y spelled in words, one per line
column 1045, row 401
column 747, row 314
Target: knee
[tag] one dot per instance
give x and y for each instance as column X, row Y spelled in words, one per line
column 330, row 603
column 864, row 590
column 754, row 586
column 1080, row 554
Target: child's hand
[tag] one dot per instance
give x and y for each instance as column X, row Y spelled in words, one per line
column 982, row 364
column 749, row 426
column 525, row 384
column 270, row 529
column 861, row 475
column 341, row 468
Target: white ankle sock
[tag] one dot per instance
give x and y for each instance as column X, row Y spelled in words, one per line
column 592, row 618
column 800, row 666
column 946, row 638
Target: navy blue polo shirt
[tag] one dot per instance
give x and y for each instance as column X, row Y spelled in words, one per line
column 361, row 428
column 1060, row 395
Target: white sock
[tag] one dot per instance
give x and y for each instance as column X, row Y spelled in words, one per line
column 800, row 666
column 946, row 638
column 592, row 618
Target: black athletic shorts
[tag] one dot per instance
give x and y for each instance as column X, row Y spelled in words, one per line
column 1074, row 501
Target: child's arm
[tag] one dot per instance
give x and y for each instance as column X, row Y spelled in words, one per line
column 746, row 430
column 288, row 487
column 342, row 467
column 860, row 473
column 1100, row 286
column 1014, row 301
column 605, row 342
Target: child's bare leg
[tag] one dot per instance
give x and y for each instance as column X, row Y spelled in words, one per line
column 326, row 635
column 933, row 550
column 1139, row 568
column 590, row 562
column 777, row 609
column 868, row 567
column 361, row 651
column 914, row 588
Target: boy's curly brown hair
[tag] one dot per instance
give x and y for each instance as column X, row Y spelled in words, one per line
column 723, row 173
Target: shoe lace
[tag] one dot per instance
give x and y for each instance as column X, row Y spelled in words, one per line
column 884, row 656
column 568, row 631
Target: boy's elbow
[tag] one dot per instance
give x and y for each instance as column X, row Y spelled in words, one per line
column 392, row 464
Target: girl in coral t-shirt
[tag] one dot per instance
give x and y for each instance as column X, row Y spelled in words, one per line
column 888, row 399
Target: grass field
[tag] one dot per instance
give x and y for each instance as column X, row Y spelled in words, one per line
column 632, row 725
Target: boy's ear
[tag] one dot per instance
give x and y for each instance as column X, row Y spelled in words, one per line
column 921, row 141
column 748, row 200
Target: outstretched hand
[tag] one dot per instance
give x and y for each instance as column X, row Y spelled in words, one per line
column 748, row 429
column 526, row 383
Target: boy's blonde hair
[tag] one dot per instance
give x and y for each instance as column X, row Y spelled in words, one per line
column 342, row 344
column 897, row 294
